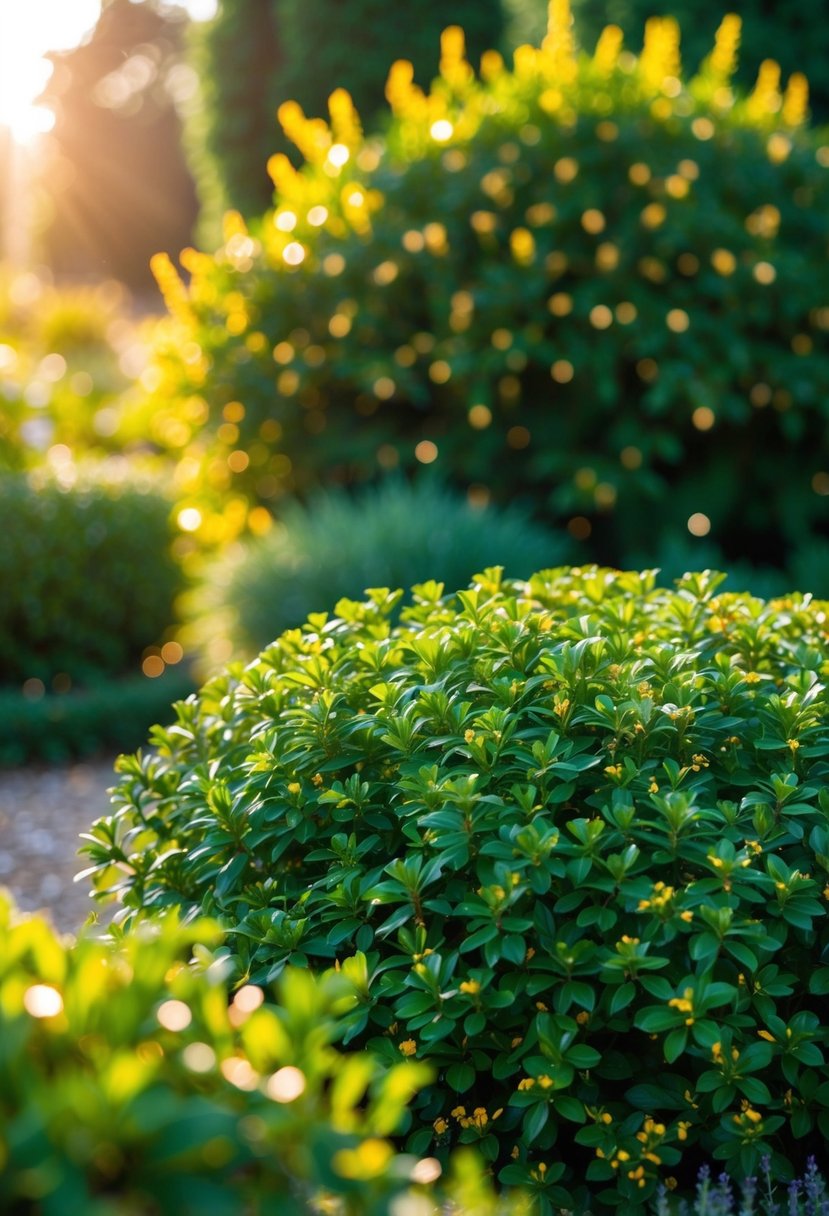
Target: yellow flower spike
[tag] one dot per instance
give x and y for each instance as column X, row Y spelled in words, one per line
column 796, row 100
column 402, row 94
column 659, row 62
column 765, row 97
column 283, row 175
column 608, row 48
column 170, row 284
column 492, row 65
column 453, row 64
column 310, row 135
column 345, row 121
column 559, row 44
column 722, row 62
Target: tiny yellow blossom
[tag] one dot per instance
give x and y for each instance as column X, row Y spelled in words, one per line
column 408, row 1047
column 469, row 735
column 440, row 1126
column 470, row 987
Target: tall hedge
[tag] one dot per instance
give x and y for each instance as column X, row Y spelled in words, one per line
column 579, row 279
column 252, row 57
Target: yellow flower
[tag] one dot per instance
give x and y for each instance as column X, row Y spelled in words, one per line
column 792, row 744
column 765, row 1034
column 459, row 1112
column 614, row 770
column 440, row 1126
column 470, row 987
column 526, row 1083
column 408, row 1047
column 469, row 735
column 687, row 915
column 294, row 787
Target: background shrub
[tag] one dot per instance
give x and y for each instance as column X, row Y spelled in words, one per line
column 88, row 579
column 580, row 281
column 394, row 535
column 576, row 829
column 112, row 715
column 61, row 375
column 250, row 60
column 130, row 1084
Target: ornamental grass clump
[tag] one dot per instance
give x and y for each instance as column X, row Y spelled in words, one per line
column 587, row 279
column 567, row 838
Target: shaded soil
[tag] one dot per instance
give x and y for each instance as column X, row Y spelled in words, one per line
column 42, row 812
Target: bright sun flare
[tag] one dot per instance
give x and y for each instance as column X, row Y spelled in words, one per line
column 28, row 31
column 31, row 28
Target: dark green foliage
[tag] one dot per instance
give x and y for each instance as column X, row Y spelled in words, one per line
column 793, row 34
column 251, row 58
column 230, row 134
column 111, row 716
column 129, row 1085
column 393, row 536
column 88, row 580
column 582, row 290
column 577, row 830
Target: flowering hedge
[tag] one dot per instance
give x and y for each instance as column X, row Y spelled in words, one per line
column 580, row 279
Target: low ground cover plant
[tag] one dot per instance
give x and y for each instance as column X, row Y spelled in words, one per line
column 131, row 1082
column 568, row 840
column 583, row 279
column 340, row 544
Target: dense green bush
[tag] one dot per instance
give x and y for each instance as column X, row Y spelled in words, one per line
column 129, row 1085
column 251, row 59
column 576, row 829
column 88, row 580
column 579, row 280
column 114, row 715
column 392, row 536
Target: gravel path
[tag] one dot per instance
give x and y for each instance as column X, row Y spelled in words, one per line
column 42, row 812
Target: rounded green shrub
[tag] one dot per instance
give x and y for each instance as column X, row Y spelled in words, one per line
column 580, row 280
column 88, row 579
column 394, row 535
column 576, row 830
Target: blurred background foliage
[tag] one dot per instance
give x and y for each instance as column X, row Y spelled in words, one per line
column 632, row 348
